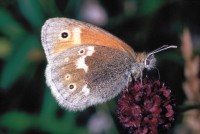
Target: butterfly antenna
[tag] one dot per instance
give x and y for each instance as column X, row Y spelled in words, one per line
column 164, row 47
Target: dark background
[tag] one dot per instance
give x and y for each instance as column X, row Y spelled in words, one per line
column 26, row 104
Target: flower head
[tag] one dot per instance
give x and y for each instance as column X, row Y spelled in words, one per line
column 144, row 107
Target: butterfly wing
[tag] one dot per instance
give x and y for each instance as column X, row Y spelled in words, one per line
column 86, row 65
column 79, row 80
column 79, row 33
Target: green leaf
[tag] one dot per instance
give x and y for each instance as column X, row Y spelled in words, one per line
column 17, row 62
column 32, row 11
column 5, row 47
column 185, row 107
column 148, row 7
column 9, row 26
column 50, row 8
column 49, row 106
column 72, row 8
column 19, row 122
column 16, row 121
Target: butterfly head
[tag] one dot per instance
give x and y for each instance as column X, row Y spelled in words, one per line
column 143, row 61
column 146, row 61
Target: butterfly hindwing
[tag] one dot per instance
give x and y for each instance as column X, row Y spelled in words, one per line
column 85, row 75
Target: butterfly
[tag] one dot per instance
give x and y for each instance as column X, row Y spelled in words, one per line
column 86, row 64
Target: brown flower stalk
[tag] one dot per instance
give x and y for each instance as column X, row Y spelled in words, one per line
column 191, row 86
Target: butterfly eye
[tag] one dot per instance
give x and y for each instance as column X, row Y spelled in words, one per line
column 150, row 62
column 147, row 62
column 64, row 35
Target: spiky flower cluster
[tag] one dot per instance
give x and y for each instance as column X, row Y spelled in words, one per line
column 144, row 107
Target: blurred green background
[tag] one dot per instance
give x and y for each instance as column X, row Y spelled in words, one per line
column 26, row 103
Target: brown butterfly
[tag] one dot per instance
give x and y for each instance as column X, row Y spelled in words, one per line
column 87, row 65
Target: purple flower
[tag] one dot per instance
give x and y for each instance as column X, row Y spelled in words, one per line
column 144, row 107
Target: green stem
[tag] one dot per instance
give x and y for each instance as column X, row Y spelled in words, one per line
column 186, row 108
